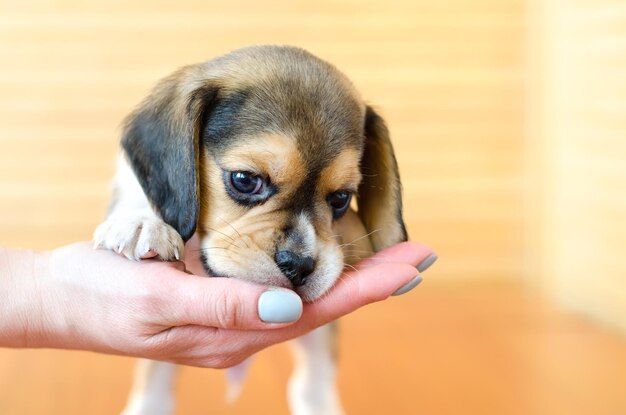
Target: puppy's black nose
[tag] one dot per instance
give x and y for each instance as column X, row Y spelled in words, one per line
column 294, row 266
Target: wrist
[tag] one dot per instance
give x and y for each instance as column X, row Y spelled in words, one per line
column 52, row 323
column 21, row 299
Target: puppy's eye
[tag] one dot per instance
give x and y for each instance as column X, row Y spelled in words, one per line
column 246, row 183
column 339, row 202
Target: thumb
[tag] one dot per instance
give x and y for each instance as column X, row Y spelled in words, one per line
column 229, row 303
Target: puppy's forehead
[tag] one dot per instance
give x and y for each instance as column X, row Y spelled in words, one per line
column 285, row 91
column 316, row 121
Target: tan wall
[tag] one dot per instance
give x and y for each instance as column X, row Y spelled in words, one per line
column 447, row 76
column 578, row 132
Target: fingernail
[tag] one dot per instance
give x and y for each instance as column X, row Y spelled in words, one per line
column 426, row 263
column 279, row 306
column 408, row 286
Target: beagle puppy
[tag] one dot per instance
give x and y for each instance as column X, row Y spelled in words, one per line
column 272, row 158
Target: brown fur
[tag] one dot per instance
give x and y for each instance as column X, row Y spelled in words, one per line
column 380, row 193
column 280, row 113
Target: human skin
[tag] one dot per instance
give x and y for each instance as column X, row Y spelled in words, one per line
column 75, row 297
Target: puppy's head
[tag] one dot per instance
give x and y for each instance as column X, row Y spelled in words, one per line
column 261, row 152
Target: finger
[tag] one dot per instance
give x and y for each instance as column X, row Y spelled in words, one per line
column 229, row 303
column 358, row 288
column 410, row 252
column 354, row 290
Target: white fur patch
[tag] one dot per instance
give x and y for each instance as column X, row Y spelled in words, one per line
column 306, row 230
column 153, row 389
column 139, row 235
column 132, row 228
column 312, row 387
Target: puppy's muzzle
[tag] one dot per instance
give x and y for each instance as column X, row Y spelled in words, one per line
column 295, row 267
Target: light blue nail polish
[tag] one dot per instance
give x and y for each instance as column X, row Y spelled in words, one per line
column 408, row 286
column 279, row 306
column 426, row 263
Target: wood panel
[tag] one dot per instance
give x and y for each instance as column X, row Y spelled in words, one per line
column 579, row 135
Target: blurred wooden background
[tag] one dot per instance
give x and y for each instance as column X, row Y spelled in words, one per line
column 576, row 155
column 515, row 210
column 447, row 76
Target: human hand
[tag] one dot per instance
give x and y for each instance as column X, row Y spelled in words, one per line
column 96, row 300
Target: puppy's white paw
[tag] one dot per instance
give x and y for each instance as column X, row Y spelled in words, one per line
column 306, row 397
column 139, row 237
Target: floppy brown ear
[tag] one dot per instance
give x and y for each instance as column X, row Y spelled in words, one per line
column 380, row 191
column 161, row 140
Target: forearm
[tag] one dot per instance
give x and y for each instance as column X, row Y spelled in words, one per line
column 41, row 300
column 21, row 310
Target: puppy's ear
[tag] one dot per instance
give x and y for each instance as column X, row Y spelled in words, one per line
column 161, row 139
column 380, row 191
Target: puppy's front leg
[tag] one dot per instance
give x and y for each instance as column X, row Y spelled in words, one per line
column 312, row 389
column 132, row 228
column 153, row 387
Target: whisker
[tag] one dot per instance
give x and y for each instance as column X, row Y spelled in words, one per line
column 229, row 241
column 324, row 298
column 346, row 244
column 352, row 277
column 221, row 233
column 235, row 229
column 230, row 238
column 358, row 255
column 210, row 247
column 235, row 241
column 229, row 224
column 351, row 250
column 351, row 267
column 364, row 236
column 219, row 255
